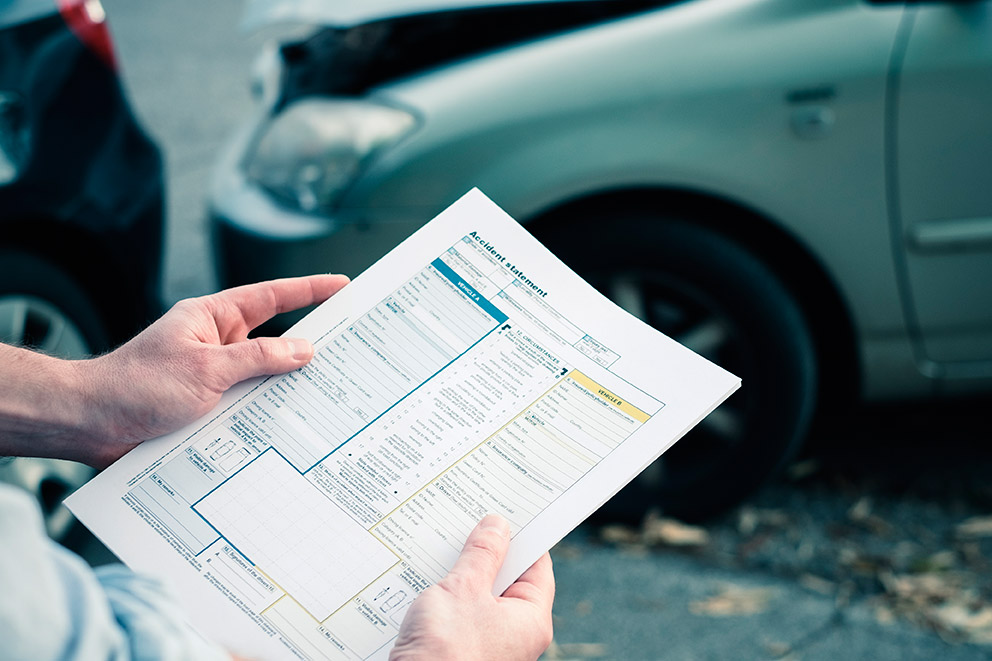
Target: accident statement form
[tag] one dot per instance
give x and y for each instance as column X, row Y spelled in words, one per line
column 467, row 372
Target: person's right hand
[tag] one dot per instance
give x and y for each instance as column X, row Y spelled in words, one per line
column 169, row 375
column 176, row 370
column 459, row 618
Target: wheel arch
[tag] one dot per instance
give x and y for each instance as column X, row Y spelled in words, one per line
column 829, row 320
column 83, row 257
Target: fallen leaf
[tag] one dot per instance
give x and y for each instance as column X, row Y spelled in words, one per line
column 940, row 561
column 617, row 534
column 861, row 510
column 920, row 588
column 973, row 556
column 583, row 650
column 884, row 615
column 975, row 527
column 753, row 544
column 776, row 649
column 773, row 518
column 817, row 584
column 671, row 532
column 734, row 600
column 802, row 469
column 747, row 520
column 974, row 625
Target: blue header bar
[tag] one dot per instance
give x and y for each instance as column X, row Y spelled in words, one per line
column 469, row 291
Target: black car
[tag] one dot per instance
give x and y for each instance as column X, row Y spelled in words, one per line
column 81, row 201
column 81, row 187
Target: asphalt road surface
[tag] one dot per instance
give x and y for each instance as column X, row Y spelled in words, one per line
column 860, row 556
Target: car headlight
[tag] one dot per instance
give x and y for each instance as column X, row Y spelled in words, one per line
column 311, row 151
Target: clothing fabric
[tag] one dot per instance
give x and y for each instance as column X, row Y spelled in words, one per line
column 54, row 607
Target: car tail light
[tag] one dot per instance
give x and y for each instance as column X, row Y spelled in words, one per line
column 87, row 20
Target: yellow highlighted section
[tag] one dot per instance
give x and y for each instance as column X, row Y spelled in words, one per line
column 606, row 395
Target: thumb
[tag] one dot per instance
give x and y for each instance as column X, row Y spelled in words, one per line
column 265, row 355
column 483, row 554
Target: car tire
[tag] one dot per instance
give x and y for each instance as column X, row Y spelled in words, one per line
column 42, row 307
column 713, row 295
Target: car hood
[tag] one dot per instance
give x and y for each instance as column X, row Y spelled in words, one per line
column 349, row 13
column 360, row 44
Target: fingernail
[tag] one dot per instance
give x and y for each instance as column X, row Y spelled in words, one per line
column 495, row 523
column 302, row 349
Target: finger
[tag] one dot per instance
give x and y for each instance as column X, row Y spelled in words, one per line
column 483, row 553
column 260, row 356
column 536, row 585
column 261, row 301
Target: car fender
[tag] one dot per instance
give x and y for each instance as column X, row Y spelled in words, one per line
column 565, row 117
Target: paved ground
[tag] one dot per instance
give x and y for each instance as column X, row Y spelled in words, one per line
column 187, row 66
column 647, row 613
column 862, row 558
column 879, row 547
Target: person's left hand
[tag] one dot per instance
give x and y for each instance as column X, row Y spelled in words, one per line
column 177, row 369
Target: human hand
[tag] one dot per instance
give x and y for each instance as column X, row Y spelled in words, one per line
column 459, row 618
column 176, row 370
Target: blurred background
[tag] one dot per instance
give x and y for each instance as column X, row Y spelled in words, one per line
column 796, row 190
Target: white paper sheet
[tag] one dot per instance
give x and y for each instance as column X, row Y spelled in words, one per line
column 467, row 372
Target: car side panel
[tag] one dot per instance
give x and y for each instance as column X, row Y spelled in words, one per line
column 707, row 97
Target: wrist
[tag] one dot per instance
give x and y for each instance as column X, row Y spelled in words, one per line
column 105, row 425
column 46, row 413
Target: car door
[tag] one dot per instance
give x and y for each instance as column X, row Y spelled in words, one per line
column 943, row 183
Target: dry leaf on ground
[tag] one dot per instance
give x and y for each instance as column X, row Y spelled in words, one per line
column 975, row 527
column 921, row 589
column 656, row 531
column 818, row 584
column 749, row 519
column 974, row 625
column 884, row 615
column 734, row 600
column 618, row 534
column 583, row 650
column 802, row 469
column 861, row 510
column 671, row 532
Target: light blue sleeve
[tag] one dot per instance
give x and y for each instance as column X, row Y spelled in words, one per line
column 53, row 606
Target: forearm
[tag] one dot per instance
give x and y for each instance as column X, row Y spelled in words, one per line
column 48, row 408
column 169, row 375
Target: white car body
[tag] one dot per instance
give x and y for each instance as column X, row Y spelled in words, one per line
column 844, row 143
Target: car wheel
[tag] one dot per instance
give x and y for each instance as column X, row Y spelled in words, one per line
column 43, row 308
column 706, row 291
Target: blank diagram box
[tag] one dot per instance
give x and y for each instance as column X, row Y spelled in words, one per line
column 291, row 531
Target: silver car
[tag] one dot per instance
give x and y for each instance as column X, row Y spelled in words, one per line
column 797, row 189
